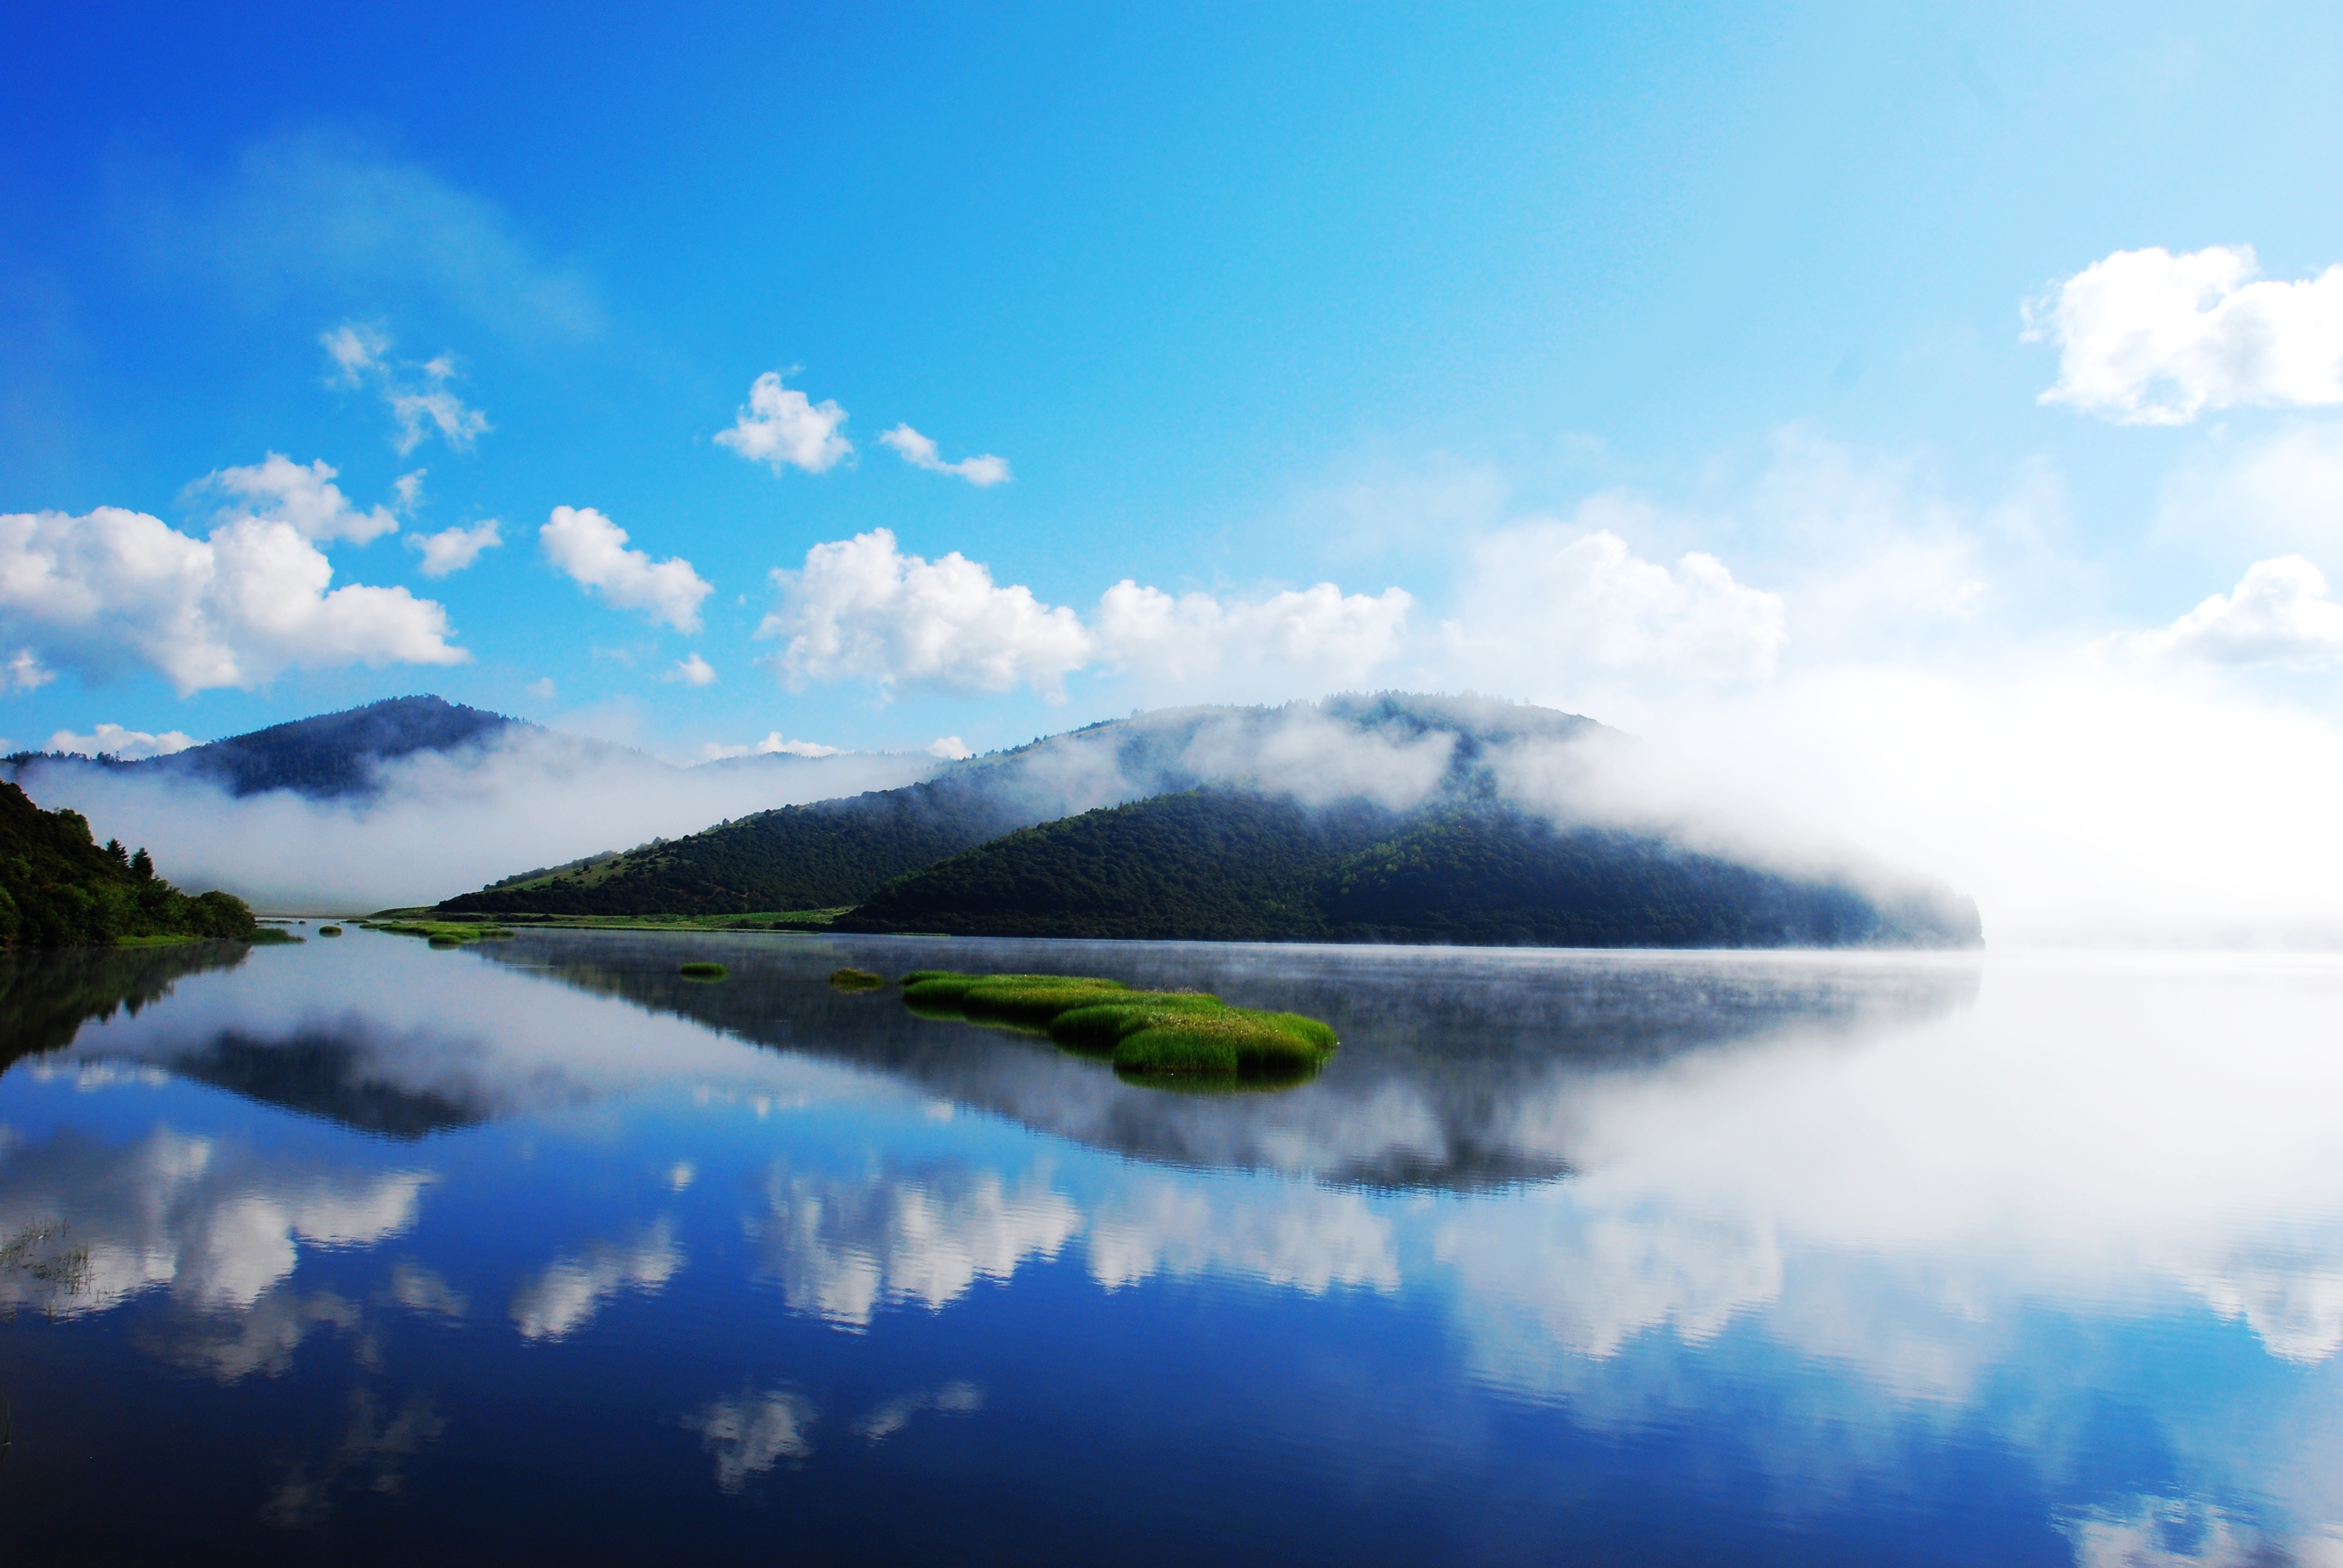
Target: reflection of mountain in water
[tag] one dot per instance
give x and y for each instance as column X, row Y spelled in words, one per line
column 47, row 997
column 335, row 1073
column 1459, row 1067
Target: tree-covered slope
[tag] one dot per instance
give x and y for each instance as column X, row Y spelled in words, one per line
column 59, row 888
column 1216, row 865
column 823, row 856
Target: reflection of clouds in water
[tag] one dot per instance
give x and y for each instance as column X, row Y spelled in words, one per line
column 751, row 1434
column 1301, row 1236
column 1542, row 1275
column 573, row 1288
column 216, row 1222
column 371, row 1452
column 2166, row 1532
column 421, row 1289
column 2295, row 1307
column 883, row 1421
column 840, row 1246
column 261, row 1339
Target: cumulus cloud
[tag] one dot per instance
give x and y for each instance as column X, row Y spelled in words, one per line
column 113, row 589
column 773, row 745
column 781, row 427
column 417, row 394
column 693, row 670
column 1587, row 602
column 2148, row 338
column 950, row 748
column 1318, row 634
column 450, row 550
column 861, row 608
column 279, row 491
column 114, row 740
column 592, row 550
column 2279, row 614
column 26, row 672
column 920, row 452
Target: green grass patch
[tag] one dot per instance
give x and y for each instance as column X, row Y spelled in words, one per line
column 856, row 979
column 273, row 937
column 439, row 933
column 700, row 969
column 1150, row 1036
column 329, row 931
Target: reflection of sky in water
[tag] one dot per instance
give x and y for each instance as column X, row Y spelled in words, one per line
column 1662, row 1257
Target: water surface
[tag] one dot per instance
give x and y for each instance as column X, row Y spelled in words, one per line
column 361, row 1251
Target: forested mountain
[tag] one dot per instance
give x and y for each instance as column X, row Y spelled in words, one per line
column 823, row 856
column 333, row 754
column 1384, row 818
column 58, row 889
column 1221, row 865
column 838, row 852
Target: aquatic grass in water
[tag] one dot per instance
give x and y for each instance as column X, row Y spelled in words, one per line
column 1146, row 1034
column 700, row 969
column 329, row 931
column 856, row 979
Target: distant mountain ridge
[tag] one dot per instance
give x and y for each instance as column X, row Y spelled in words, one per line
column 326, row 757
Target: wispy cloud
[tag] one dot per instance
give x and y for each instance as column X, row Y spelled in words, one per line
column 417, row 393
column 592, row 550
column 921, row 452
column 773, row 745
column 781, row 427
column 692, row 671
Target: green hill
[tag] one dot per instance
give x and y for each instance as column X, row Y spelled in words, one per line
column 59, row 888
column 1217, row 865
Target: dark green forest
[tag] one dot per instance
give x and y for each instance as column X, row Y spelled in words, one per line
column 58, row 887
column 1216, row 865
column 823, row 856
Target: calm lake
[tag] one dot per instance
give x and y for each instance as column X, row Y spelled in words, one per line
column 360, row 1251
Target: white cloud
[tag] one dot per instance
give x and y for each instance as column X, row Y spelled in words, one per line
column 452, row 550
column 860, row 608
column 920, row 453
column 543, row 688
column 780, row 426
column 421, row 402
column 773, row 745
column 1316, row 635
column 408, row 489
column 26, row 672
column 116, row 742
column 1546, row 600
column 693, row 670
column 2279, row 614
column 114, row 589
column 950, row 748
column 2148, row 338
column 591, row 549
column 279, row 491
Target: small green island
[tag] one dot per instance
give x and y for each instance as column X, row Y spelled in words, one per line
column 1147, row 1035
column 702, row 970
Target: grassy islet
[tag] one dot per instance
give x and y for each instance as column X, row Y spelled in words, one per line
column 1146, row 1034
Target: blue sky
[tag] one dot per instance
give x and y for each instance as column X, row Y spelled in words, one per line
column 1246, row 300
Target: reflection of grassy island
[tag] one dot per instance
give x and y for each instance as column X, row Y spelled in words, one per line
column 1145, row 1033
column 699, row 970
